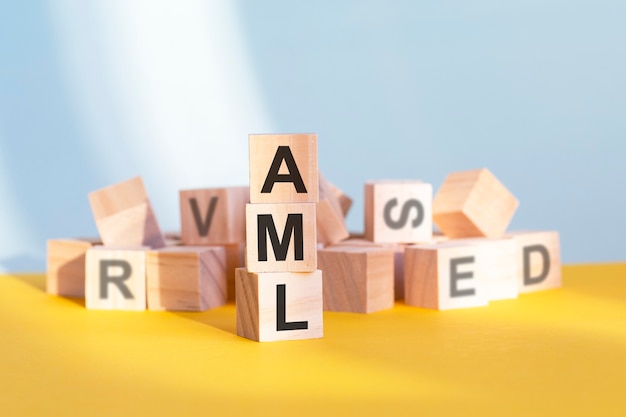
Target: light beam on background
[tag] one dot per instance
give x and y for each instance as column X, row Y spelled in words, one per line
column 163, row 90
column 17, row 242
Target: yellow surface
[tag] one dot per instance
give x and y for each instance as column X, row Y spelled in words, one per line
column 555, row 353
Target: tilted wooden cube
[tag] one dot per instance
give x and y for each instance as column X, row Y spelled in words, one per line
column 473, row 204
column 281, row 237
column 358, row 279
column 444, row 276
column 398, row 211
column 213, row 216
column 279, row 305
column 330, row 220
column 66, row 266
column 538, row 260
column 283, row 168
column 186, row 278
column 115, row 278
column 124, row 215
column 345, row 201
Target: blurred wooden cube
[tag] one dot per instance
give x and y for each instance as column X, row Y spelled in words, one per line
column 186, row 278
column 444, row 276
column 283, row 168
column 115, row 278
column 66, row 266
column 398, row 211
column 345, row 201
column 330, row 220
column 235, row 258
column 500, row 266
column 281, row 237
column 398, row 259
column 538, row 260
column 279, row 305
column 358, row 279
column 124, row 215
column 213, row 216
column 473, row 204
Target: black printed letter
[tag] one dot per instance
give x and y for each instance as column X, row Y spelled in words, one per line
column 283, row 154
column 281, row 312
column 265, row 224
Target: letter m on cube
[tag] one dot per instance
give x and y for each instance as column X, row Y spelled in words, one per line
column 281, row 237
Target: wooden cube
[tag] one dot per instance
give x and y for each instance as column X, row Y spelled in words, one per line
column 398, row 259
column 444, row 276
column 281, row 237
column 398, row 271
column 283, row 168
column 66, row 266
column 115, row 278
column 500, row 266
column 398, row 211
column 124, row 215
column 279, row 305
column 473, row 204
column 538, row 260
column 345, row 202
column 235, row 258
column 357, row 279
column 213, row 216
column 330, row 220
column 186, row 278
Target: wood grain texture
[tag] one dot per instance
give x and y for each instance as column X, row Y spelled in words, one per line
column 213, row 216
column 123, row 289
column 257, row 307
column 538, row 260
column 358, row 279
column 398, row 211
column 398, row 259
column 263, row 151
column 124, row 215
column 444, row 276
column 66, row 266
column 235, row 258
column 473, row 204
column 280, row 213
column 186, row 278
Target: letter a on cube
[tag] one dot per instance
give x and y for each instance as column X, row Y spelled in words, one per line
column 283, row 168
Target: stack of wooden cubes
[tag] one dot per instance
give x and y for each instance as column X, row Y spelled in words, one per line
column 279, row 293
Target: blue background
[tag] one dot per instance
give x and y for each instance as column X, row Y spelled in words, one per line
column 92, row 94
